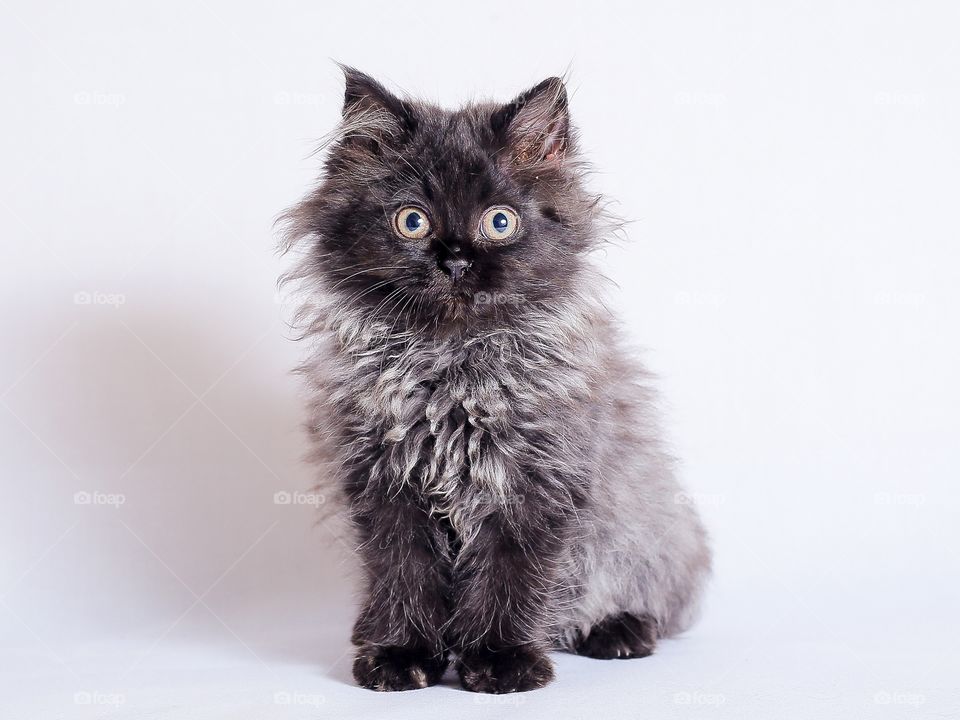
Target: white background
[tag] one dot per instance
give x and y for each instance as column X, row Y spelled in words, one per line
column 792, row 268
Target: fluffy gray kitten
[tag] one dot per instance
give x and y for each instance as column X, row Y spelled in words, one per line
column 490, row 440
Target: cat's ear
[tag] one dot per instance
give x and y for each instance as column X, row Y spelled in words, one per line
column 368, row 103
column 536, row 124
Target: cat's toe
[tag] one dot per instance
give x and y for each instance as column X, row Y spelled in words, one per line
column 621, row 636
column 388, row 668
column 505, row 671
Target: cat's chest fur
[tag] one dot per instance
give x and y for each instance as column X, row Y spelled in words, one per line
column 452, row 418
column 460, row 419
column 443, row 413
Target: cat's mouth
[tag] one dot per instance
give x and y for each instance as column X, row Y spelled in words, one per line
column 457, row 283
column 460, row 294
column 465, row 295
column 459, row 297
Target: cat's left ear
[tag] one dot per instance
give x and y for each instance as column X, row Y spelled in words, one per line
column 536, row 124
column 370, row 104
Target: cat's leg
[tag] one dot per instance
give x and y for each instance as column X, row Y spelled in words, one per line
column 399, row 630
column 505, row 593
column 619, row 636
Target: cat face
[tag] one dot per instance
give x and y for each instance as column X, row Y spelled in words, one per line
column 450, row 214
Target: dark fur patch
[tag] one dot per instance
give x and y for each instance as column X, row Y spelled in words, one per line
column 621, row 636
column 395, row 668
column 504, row 671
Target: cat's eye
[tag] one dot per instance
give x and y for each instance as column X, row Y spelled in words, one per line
column 411, row 222
column 499, row 223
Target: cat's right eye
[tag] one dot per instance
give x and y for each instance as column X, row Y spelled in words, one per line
column 411, row 222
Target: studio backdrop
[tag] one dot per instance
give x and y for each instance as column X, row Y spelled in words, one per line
column 788, row 269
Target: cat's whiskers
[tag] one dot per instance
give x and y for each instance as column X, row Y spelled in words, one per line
column 386, row 349
column 366, row 291
column 367, row 270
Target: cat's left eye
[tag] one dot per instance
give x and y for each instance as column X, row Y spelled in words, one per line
column 499, row 223
column 411, row 222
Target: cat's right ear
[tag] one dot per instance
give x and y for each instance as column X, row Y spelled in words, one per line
column 535, row 126
column 369, row 105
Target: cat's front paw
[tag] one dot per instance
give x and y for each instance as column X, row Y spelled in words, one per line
column 505, row 671
column 388, row 668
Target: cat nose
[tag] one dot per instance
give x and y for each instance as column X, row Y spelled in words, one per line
column 454, row 263
column 456, row 266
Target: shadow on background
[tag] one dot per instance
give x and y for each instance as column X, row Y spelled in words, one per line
column 169, row 500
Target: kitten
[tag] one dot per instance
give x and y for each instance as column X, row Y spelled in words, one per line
column 490, row 440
